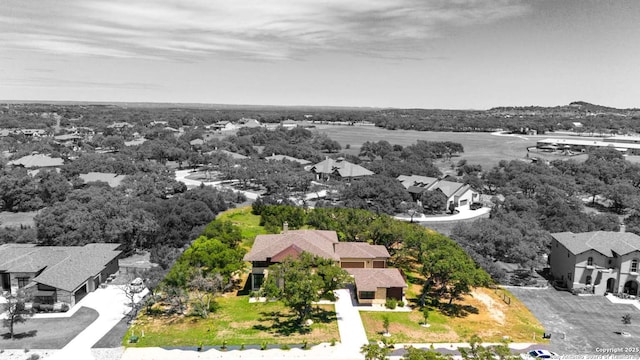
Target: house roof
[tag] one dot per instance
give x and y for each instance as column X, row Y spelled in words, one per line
column 448, row 188
column 233, row 155
column 316, row 242
column 289, row 158
column 37, row 160
column 604, row 242
column 360, row 250
column 340, row 166
column 196, row 142
column 110, row 178
column 419, row 181
column 63, row 267
column 80, row 264
column 372, row 279
column 66, row 137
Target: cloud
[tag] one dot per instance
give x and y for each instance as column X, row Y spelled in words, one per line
column 262, row 29
column 51, row 82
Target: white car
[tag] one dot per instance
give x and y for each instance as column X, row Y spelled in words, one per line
column 137, row 285
column 539, row 354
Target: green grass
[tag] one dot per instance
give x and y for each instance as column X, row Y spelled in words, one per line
column 237, row 322
column 11, row 219
column 248, row 223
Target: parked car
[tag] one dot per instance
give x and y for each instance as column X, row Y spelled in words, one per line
column 137, row 285
column 475, row 206
column 539, row 354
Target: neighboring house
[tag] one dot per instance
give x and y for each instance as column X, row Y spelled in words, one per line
column 120, row 125
column 33, row 132
column 37, row 161
column 275, row 157
column 112, row 179
column 249, row 123
column 458, row 194
column 339, row 168
column 365, row 262
column 54, row 274
column 196, row 143
column 603, row 261
column 289, row 124
column 222, row 126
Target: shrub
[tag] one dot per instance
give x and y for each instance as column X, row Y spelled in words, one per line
column 285, row 347
column 242, row 346
column 133, row 339
column 263, row 346
column 333, row 342
column 400, row 303
column 391, row 303
column 34, row 357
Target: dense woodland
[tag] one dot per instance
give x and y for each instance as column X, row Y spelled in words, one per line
column 594, row 118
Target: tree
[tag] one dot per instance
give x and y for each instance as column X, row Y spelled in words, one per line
column 297, row 286
column 15, row 310
column 374, row 352
column 424, row 354
column 425, row 315
column 433, row 201
column 204, row 289
column 385, row 324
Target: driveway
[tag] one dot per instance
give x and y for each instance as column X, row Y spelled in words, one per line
column 111, row 305
column 582, row 324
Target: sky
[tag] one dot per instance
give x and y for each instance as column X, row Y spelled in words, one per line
column 448, row 54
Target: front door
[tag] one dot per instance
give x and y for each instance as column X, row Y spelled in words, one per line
column 6, row 282
column 611, row 283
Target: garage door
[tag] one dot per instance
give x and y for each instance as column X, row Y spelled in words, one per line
column 80, row 293
column 352, row 264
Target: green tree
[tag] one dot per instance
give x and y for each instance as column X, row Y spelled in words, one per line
column 433, row 201
column 424, row 354
column 374, row 352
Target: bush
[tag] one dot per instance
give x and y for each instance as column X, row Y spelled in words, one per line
column 400, row 303
column 391, row 304
column 285, row 347
column 133, row 339
column 263, row 346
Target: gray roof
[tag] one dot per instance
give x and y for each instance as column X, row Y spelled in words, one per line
column 290, row 158
column 37, row 161
column 63, row 267
column 340, row 166
column 604, row 242
column 316, row 242
column 110, row 178
column 361, row 250
column 372, row 279
column 416, row 181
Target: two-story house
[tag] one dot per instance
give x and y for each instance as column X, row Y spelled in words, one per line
column 367, row 263
column 604, row 261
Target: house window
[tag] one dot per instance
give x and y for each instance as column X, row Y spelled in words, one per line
column 569, row 276
column 634, row 265
column 367, row 294
column 588, row 281
column 590, row 261
column 22, row 282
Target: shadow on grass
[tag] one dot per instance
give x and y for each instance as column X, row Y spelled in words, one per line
column 19, row 336
column 289, row 324
column 458, row 310
column 246, row 290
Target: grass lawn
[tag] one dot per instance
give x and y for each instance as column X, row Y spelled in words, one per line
column 484, row 314
column 237, row 322
column 249, row 223
column 479, row 148
column 48, row 333
column 11, row 219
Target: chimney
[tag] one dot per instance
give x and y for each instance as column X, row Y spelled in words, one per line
column 285, row 227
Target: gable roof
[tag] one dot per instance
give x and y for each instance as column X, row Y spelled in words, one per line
column 315, row 242
column 37, row 160
column 292, row 251
column 63, row 267
column 372, row 279
column 112, row 179
column 360, row 250
column 80, row 264
column 418, row 181
column 341, row 167
column 604, row 242
column 448, row 188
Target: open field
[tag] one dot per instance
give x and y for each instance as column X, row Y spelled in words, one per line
column 237, row 322
column 479, row 148
column 486, row 315
column 11, row 219
column 249, row 224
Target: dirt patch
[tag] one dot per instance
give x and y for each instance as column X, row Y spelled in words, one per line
column 494, row 308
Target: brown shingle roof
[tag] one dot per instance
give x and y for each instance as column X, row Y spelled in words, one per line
column 372, row 279
column 604, row 242
column 360, row 250
column 316, row 242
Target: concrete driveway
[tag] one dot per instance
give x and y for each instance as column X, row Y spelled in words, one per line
column 582, row 324
column 111, row 304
